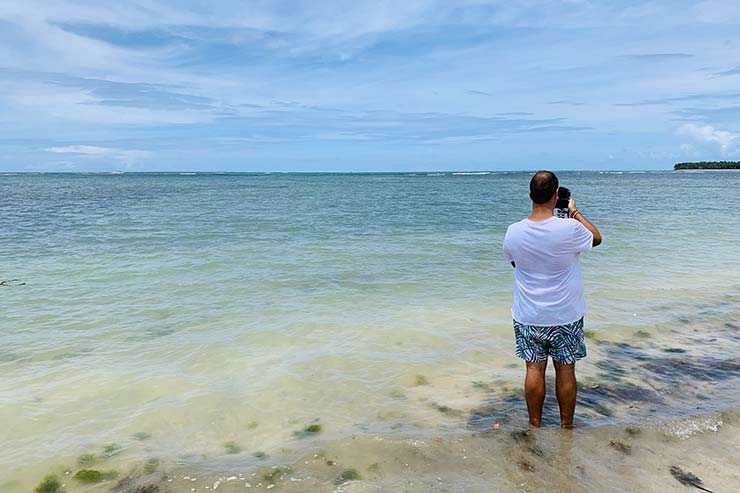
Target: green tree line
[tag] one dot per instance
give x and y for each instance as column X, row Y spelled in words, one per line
column 708, row 165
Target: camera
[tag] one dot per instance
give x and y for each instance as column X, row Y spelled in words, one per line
column 561, row 206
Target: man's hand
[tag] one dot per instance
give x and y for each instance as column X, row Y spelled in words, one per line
column 574, row 213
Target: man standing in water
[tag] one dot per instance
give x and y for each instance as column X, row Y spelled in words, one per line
column 549, row 303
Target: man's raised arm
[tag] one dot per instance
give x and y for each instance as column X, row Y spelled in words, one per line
column 578, row 216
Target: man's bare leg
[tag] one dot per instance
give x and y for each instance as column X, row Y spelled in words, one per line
column 566, row 389
column 534, row 391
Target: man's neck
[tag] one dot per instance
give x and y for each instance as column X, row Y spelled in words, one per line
column 541, row 212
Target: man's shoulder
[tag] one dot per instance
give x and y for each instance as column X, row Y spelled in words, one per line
column 518, row 224
column 563, row 223
column 514, row 228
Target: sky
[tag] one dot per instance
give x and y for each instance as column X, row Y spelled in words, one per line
column 361, row 85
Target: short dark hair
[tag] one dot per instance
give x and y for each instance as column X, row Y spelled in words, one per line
column 542, row 186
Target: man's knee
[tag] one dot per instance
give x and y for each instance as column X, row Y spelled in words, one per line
column 537, row 366
column 563, row 368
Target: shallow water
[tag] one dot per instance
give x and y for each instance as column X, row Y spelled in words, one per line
column 185, row 317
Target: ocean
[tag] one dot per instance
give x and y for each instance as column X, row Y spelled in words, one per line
column 352, row 332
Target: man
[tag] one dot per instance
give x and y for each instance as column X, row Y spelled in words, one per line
column 549, row 303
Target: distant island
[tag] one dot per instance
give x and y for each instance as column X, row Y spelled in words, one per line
column 708, row 165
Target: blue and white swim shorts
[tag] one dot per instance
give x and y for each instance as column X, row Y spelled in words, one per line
column 564, row 343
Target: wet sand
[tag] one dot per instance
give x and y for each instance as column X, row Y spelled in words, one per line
column 604, row 458
column 645, row 408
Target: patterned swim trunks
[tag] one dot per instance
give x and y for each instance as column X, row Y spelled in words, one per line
column 564, row 343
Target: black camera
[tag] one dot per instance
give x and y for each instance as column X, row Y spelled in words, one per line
column 561, row 206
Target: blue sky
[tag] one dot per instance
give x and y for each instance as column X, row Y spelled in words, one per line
column 367, row 85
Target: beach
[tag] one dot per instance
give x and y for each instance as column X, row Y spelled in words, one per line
column 198, row 332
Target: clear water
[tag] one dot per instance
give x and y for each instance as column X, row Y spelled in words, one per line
column 183, row 317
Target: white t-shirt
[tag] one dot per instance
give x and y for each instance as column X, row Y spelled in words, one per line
column 548, row 287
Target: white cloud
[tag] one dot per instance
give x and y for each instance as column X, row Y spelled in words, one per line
column 128, row 157
column 707, row 134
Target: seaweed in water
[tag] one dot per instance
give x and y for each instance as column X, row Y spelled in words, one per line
column 111, row 449
column 232, row 447
column 149, row 488
column 87, row 460
column 521, row 435
column 93, row 476
column 12, row 282
column 621, row 446
column 446, row 410
column 50, row 484
column 633, row 430
column 275, row 474
column 347, row 475
column 688, row 479
column 421, row 380
column 151, row 466
column 308, row 431
column 525, row 465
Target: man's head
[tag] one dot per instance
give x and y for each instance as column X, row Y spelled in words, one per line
column 543, row 187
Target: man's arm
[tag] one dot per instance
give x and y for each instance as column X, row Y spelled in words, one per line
column 578, row 216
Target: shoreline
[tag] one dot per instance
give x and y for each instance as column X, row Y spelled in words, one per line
column 628, row 458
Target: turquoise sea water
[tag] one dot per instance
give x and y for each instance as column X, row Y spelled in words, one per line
column 198, row 319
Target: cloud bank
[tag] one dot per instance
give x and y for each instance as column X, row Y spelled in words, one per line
column 366, row 85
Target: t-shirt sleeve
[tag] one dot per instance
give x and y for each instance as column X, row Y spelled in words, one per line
column 506, row 249
column 583, row 239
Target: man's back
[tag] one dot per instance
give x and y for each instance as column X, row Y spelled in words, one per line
column 548, row 288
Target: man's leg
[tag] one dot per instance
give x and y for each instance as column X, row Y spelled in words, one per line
column 534, row 390
column 566, row 390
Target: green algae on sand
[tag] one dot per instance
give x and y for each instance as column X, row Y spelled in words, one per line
column 232, row 447
column 308, row 430
column 87, row 460
column 111, row 449
column 151, row 466
column 347, row 475
column 93, row 476
column 421, row 380
column 275, row 474
column 50, row 484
